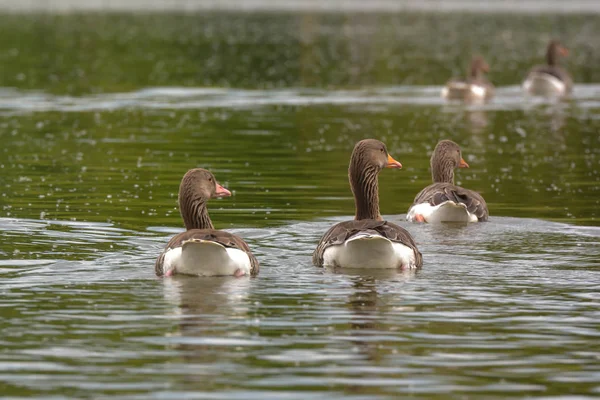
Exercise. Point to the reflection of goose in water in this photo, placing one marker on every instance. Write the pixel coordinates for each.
(206, 310)
(403, 275)
(549, 79)
(363, 303)
(477, 120)
(204, 296)
(210, 330)
(369, 313)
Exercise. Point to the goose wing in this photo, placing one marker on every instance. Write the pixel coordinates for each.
(555, 71)
(439, 193)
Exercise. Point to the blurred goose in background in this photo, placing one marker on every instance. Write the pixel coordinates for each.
(475, 88)
(367, 241)
(443, 201)
(549, 79)
(201, 249)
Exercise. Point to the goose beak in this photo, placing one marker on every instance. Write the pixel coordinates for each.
(563, 51)
(463, 164)
(221, 192)
(391, 163)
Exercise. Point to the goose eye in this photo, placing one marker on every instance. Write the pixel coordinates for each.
(382, 150)
(210, 179)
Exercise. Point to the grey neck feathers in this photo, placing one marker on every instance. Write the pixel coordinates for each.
(442, 170)
(194, 213)
(363, 181)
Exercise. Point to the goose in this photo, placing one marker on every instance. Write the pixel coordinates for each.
(367, 241)
(201, 249)
(549, 79)
(475, 88)
(442, 201)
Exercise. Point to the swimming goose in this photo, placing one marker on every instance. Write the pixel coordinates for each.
(443, 201)
(475, 87)
(367, 241)
(201, 249)
(549, 79)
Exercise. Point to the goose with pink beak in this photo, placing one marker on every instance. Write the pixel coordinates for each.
(202, 250)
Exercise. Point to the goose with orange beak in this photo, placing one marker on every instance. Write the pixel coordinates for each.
(549, 79)
(367, 241)
(443, 201)
(202, 250)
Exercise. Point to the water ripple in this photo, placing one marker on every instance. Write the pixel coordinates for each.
(475, 309)
(179, 98)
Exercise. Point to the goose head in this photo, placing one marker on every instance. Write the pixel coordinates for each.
(368, 158)
(197, 187)
(478, 67)
(446, 157)
(554, 51)
(371, 154)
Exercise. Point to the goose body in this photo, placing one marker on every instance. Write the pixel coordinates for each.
(205, 252)
(367, 242)
(448, 211)
(540, 83)
(549, 79)
(467, 91)
(442, 201)
(475, 88)
(202, 250)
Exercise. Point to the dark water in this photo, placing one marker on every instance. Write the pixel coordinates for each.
(101, 115)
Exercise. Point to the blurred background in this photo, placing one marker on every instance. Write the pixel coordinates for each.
(128, 95)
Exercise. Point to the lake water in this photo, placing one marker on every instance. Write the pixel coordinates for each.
(102, 114)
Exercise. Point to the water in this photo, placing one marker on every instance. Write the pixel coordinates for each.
(508, 307)
(95, 143)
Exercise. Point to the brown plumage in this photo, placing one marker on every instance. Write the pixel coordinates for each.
(445, 158)
(197, 187)
(368, 159)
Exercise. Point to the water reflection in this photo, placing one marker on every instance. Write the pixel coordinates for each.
(477, 120)
(210, 316)
(364, 303)
(378, 274)
(198, 300)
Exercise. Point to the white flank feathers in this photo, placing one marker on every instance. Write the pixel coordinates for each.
(543, 84)
(447, 211)
(366, 250)
(464, 91)
(477, 91)
(205, 258)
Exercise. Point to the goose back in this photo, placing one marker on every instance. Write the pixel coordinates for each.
(439, 193)
(226, 239)
(340, 233)
(428, 203)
